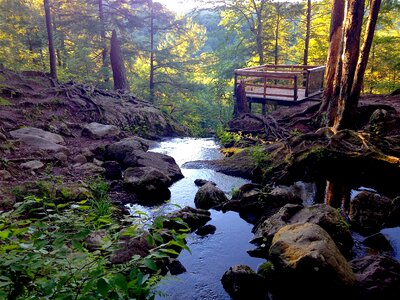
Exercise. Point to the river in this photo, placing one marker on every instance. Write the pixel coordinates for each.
(212, 255)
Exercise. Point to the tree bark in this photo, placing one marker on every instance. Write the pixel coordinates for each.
(259, 31)
(104, 52)
(308, 28)
(278, 19)
(117, 64)
(152, 69)
(351, 49)
(335, 40)
(241, 105)
(366, 48)
(50, 37)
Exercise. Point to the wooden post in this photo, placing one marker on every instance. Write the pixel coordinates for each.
(307, 83)
(264, 111)
(295, 88)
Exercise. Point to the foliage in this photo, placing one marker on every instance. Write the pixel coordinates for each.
(45, 253)
(4, 102)
(228, 138)
(259, 155)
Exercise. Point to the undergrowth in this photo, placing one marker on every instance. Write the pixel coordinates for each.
(44, 250)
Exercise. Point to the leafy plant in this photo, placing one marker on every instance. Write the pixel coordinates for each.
(4, 102)
(259, 155)
(44, 253)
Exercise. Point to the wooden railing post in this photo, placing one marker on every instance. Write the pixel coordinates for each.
(295, 88)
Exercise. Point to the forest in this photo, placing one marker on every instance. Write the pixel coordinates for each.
(184, 63)
(207, 149)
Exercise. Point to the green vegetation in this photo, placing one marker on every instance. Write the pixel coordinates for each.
(228, 139)
(259, 155)
(4, 102)
(45, 252)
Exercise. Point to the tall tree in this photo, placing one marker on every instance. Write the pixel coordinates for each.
(308, 29)
(104, 51)
(52, 53)
(117, 64)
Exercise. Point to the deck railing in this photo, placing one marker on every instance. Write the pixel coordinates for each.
(280, 81)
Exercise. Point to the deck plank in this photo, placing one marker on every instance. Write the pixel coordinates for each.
(275, 94)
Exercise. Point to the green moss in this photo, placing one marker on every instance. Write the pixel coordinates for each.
(4, 102)
(265, 269)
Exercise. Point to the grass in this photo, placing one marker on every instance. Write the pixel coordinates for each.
(4, 102)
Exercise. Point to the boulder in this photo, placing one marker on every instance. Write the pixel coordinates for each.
(370, 211)
(128, 247)
(206, 230)
(61, 157)
(96, 239)
(39, 143)
(90, 168)
(209, 196)
(321, 214)
(175, 267)
(241, 282)
(113, 170)
(378, 242)
(5, 175)
(304, 254)
(50, 137)
(98, 131)
(148, 183)
(193, 217)
(80, 159)
(164, 163)
(32, 165)
(201, 182)
(120, 150)
(378, 277)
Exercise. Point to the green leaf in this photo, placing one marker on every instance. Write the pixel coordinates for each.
(149, 263)
(5, 234)
(169, 251)
(120, 281)
(77, 245)
(103, 287)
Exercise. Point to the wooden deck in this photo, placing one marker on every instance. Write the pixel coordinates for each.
(279, 84)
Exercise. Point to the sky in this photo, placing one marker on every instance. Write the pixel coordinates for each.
(179, 6)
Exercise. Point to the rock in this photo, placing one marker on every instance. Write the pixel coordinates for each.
(164, 163)
(369, 212)
(130, 247)
(2, 137)
(33, 165)
(97, 162)
(378, 277)
(148, 183)
(175, 267)
(378, 241)
(201, 182)
(241, 282)
(38, 143)
(5, 175)
(61, 157)
(50, 137)
(90, 168)
(98, 131)
(113, 170)
(247, 123)
(80, 159)
(305, 253)
(193, 217)
(206, 230)
(321, 214)
(120, 150)
(209, 196)
(87, 153)
(95, 240)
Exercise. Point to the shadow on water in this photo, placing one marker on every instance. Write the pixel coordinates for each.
(211, 255)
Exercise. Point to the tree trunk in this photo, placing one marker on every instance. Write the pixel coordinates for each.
(259, 31)
(351, 49)
(335, 40)
(241, 105)
(152, 69)
(117, 64)
(52, 54)
(104, 52)
(278, 19)
(308, 27)
(366, 47)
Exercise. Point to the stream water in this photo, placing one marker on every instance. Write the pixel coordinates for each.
(212, 255)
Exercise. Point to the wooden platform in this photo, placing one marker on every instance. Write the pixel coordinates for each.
(279, 84)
